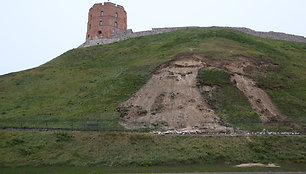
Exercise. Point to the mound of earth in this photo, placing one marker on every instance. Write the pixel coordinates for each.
(172, 100)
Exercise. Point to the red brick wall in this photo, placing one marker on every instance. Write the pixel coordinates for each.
(108, 20)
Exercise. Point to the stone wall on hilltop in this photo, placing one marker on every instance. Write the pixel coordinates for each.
(272, 35)
(127, 34)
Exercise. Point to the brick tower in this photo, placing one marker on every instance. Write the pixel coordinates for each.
(105, 19)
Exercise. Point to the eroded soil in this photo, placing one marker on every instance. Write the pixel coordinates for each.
(171, 99)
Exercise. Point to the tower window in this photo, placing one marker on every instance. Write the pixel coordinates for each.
(113, 30)
(116, 15)
(101, 23)
(116, 24)
(102, 13)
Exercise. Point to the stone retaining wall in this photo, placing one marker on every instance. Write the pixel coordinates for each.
(127, 34)
(272, 35)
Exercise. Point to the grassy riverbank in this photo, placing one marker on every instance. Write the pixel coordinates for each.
(157, 169)
(85, 149)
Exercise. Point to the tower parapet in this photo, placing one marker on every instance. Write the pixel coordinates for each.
(105, 19)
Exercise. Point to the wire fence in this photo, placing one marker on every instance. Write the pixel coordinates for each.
(70, 125)
(113, 126)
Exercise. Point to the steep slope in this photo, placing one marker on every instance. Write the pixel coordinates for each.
(89, 83)
(171, 100)
(172, 97)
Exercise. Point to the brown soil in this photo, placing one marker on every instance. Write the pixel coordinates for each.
(259, 100)
(171, 99)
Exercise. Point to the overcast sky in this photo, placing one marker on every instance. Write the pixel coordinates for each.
(34, 32)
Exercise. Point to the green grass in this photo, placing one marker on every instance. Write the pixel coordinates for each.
(89, 83)
(229, 102)
(156, 169)
(84, 149)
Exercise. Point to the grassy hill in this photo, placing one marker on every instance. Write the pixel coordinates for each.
(85, 85)
(89, 83)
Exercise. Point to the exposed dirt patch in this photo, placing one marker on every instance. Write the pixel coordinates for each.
(171, 99)
(259, 100)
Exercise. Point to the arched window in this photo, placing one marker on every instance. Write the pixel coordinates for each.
(113, 30)
(102, 13)
(116, 24)
(116, 15)
(101, 23)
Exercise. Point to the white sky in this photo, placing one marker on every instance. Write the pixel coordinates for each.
(33, 32)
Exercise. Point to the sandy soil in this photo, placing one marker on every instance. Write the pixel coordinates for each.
(259, 100)
(171, 99)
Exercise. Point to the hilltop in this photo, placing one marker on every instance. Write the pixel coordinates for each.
(128, 34)
(89, 83)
